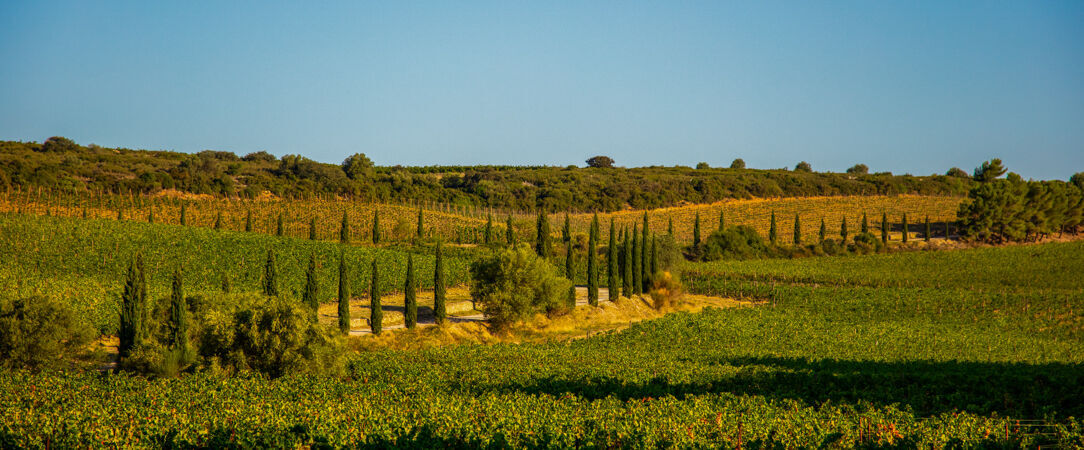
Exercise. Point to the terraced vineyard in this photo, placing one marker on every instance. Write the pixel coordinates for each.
(904, 364)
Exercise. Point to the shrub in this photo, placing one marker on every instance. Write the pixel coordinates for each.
(865, 243)
(665, 290)
(40, 333)
(738, 164)
(738, 242)
(858, 169)
(515, 284)
(803, 167)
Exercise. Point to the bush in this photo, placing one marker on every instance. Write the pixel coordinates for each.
(665, 290)
(866, 243)
(40, 333)
(739, 242)
(738, 164)
(600, 161)
(514, 284)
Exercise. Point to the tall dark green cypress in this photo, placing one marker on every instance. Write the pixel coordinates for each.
(722, 220)
(823, 231)
(248, 222)
(542, 245)
(670, 226)
(626, 270)
(184, 214)
(905, 233)
(421, 224)
(440, 311)
(645, 258)
(489, 230)
(570, 297)
(410, 296)
(376, 226)
(178, 319)
(637, 274)
(654, 257)
(797, 230)
(344, 296)
(772, 235)
(218, 221)
(611, 265)
(592, 263)
(376, 311)
(509, 232)
(884, 228)
(566, 231)
(270, 275)
(312, 228)
(696, 231)
(280, 227)
(927, 232)
(150, 216)
(131, 313)
(865, 224)
(843, 230)
(310, 296)
(344, 229)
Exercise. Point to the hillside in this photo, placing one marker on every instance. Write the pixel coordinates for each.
(62, 164)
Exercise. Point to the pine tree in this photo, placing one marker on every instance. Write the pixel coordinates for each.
(542, 244)
(797, 231)
(312, 228)
(645, 258)
(884, 228)
(344, 296)
(566, 231)
(926, 234)
(626, 270)
(131, 313)
(843, 230)
(439, 309)
(270, 284)
(611, 265)
(772, 237)
(865, 224)
(376, 313)
(184, 214)
(248, 222)
(489, 230)
(218, 221)
(344, 229)
(722, 220)
(592, 263)
(696, 231)
(421, 224)
(410, 296)
(509, 232)
(637, 274)
(280, 227)
(310, 297)
(376, 227)
(178, 320)
(905, 228)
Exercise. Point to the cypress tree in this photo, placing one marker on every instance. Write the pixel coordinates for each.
(797, 231)
(905, 227)
(344, 229)
(696, 231)
(569, 273)
(566, 232)
(823, 231)
(946, 230)
(248, 222)
(542, 238)
(843, 230)
(626, 270)
(722, 220)
(225, 283)
(270, 284)
(178, 319)
(489, 230)
(376, 226)
(421, 224)
(439, 310)
(654, 256)
(884, 228)
(637, 274)
(150, 216)
(376, 313)
(771, 230)
(131, 313)
(410, 296)
(344, 296)
(184, 214)
(592, 264)
(611, 265)
(865, 224)
(509, 232)
(645, 259)
(312, 228)
(310, 297)
(280, 228)
(670, 227)
(926, 234)
(218, 221)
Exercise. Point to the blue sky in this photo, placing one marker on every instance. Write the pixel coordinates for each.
(908, 87)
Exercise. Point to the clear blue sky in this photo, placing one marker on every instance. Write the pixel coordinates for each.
(910, 86)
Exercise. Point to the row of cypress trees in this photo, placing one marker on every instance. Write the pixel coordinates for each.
(773, 235)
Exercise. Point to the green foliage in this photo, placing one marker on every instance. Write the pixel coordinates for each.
(488, 235)
(635, 256)
(738, 242)
(803, 167)
(420, 228)
(905, 230)
(312, 229)
(38, 333)
(311, 294)
(133, 314)
(344, 296)
(865, 243)
(645, 257)
(376, 227)
(542, 244)
(344, 229)
(989, 171)
(771, 230)
(592, 264)
(1015, 210)
(737, 164)
(440, 301)
(858, 169)
(696, 230)
(823, 231)
(884, 228)
(626, 268)
(376, 317)
(612, 265)
(600, 162)
(797, 230)
(843, 229)
(270, 276)
(280, 228)
(514, 284)
(410, 296)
